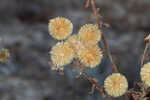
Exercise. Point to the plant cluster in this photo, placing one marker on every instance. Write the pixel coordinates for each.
(84, 47)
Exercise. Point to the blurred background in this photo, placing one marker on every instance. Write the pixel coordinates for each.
(24, 31)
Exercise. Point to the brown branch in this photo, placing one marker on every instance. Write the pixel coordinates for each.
(114, 68)
(94, 83)
(126, 97)
(144, 54)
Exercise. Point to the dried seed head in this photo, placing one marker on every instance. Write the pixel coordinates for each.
(90, 34)
(4, 55)
(145, 74)
(116, 85)
(147, 39)
(60, 28)
(61, 54)
(75, 43)
(90, 55)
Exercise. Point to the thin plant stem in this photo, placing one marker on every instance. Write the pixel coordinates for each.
(144, 54)
(114, 68)
(126, 97)
(94, 82)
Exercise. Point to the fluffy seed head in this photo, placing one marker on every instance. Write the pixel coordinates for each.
(75, 43)
(4, 55)
(145, 74)
(116, 85)
(60, 28)
(90, 33)
(61, 54)
(90, 55)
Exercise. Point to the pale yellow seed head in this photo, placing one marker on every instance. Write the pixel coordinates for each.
(116, 85)
(90, 55)
(4, 55)
(61, 54)
(60, 28)
(90, 34)
(75, 43)
(145, 74)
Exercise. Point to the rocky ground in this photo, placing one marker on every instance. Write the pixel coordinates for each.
(24, 30)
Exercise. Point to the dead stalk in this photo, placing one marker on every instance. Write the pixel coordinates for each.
(94, 83)
(144, 54)
(114, 68)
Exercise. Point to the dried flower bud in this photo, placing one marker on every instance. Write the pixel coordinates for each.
(4, 55)
(90, 55)
(90, 34)
(61, 54)
(75, 43)
(115, 85)
(60, 28)
(145, 74)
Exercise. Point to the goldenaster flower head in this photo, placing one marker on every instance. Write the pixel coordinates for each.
(145, 73)
(60, 28)
(116, 85)
(62, 54)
